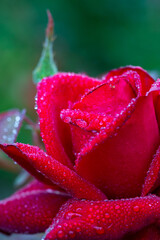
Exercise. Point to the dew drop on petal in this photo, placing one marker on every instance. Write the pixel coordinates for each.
(71, 234)
(60, 234)
(99, 230)
(117, 207)
(136, 208)
(107, 215)
(81, 123)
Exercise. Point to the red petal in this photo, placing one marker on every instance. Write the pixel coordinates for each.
(54, 94)
(23, 160)
(148, 233)
(30, 210)
(90, 122)
(101, 127)
(98, 109)
(152, 174)
(118, 165)
(145, 78)
(10, 123)
(158, 192)
(109, 98)
(101, 220)
(155, 92)
(38, 163)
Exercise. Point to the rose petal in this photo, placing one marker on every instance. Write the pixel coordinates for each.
(54, 94)
(98, 220)
(31, 209)
(158, 192)
(155, 92)
(152, 174)
(120, 171)
(101, 127)
(23, 159)
(100, 105)
(84, 126)
(109, 98)
(157, 183)
(44, 167)
(148, 233)
(10, 123)
(145, 78)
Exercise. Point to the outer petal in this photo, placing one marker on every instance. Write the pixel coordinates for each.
(155, 92)
(148, 233)
(38, 163)
(54, 94)
(118, 164)
(146, 79)
(158, 192)
(152, 174)
(157, 183)
(31, 209)
(101, 220)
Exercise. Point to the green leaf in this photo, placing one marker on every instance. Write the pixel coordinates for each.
(46, 65)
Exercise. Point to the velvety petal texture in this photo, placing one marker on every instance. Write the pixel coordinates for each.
(98, 220)
(31, 209)
(152, 174)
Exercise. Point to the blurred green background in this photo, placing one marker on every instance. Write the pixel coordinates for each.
(92, 37)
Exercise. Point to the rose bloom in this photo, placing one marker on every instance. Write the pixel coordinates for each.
(100, 175)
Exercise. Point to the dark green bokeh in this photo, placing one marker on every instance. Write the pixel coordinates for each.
(92, 37)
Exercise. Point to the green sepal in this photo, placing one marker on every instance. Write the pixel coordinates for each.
(46, 65)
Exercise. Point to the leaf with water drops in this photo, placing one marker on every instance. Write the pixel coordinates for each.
(46, 65)
(21, 236)
(10, 123)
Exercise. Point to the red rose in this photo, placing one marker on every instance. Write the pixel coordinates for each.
(102, 143)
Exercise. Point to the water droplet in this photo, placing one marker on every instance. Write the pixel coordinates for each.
(5, 130)
(81, 123)
(78, 229)
(107, 215)
(14, 131)
(136, 208)
(9, 119)
(117, 207)
(78, 209)
(99, 230)
(71, 215)
(71, 234)
(67, 119)
(90, 209)
(60, 234)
